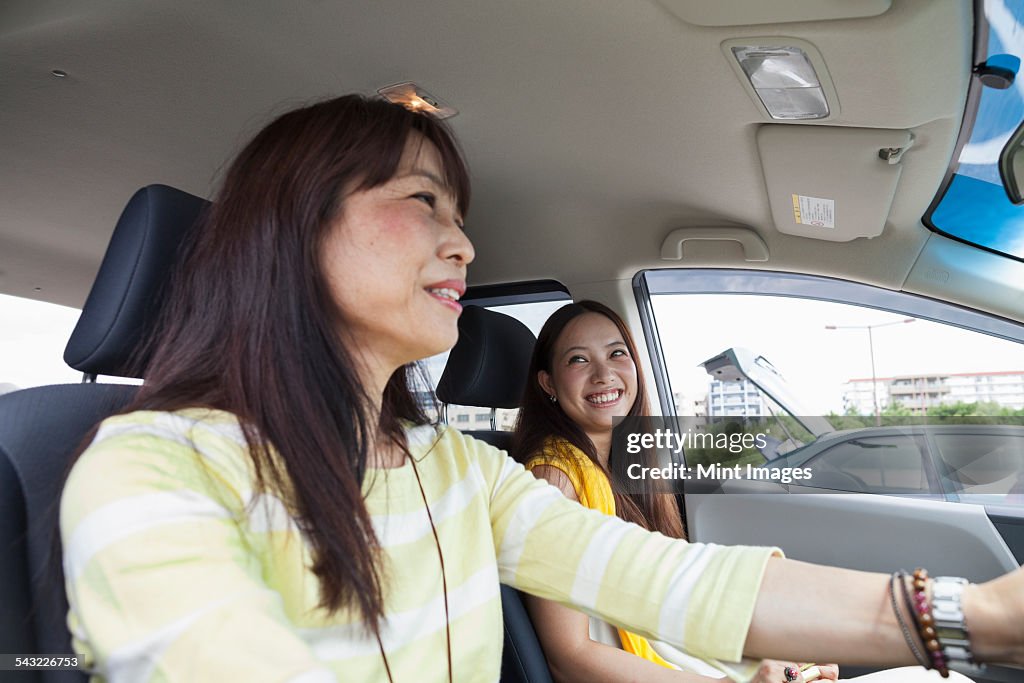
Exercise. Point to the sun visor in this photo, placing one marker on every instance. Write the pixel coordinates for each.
(831, 183)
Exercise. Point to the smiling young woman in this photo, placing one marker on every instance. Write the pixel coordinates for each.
(593, 376)
(582, 374)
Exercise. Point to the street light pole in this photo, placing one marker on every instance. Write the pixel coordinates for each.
(874, 380)
(871, 351)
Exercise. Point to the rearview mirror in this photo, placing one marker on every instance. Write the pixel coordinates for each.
(1011, 166)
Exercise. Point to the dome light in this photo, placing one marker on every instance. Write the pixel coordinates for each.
(784, 79)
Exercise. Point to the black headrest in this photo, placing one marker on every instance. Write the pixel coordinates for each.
(123, 300)
(488, 366)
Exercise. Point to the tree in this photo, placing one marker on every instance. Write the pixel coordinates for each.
(896, 409)
(960, 408)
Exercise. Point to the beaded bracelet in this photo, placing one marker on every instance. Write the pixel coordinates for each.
(925, 660)
(939, 620)
(900, 577)
(926, 623)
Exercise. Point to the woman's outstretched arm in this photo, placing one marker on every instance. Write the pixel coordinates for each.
(845, 614)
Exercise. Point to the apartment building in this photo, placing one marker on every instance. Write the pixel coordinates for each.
(921, 392)
(733, 399)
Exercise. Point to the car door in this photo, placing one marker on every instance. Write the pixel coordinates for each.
(690, 315)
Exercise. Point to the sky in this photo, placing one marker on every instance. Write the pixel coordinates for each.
(976, 206)
(791, 333)
(32, 339)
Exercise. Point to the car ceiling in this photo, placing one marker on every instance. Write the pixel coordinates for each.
(593, 128)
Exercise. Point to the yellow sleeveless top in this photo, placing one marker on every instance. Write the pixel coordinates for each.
(595, 492)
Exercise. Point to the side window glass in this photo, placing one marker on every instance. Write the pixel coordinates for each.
(891, 464)
(33, 335)
(533, 314)
(983, 466)
(876, 391)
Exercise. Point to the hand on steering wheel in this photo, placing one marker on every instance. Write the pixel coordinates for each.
(772, 671)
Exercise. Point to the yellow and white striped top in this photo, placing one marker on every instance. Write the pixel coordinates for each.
(177, 571)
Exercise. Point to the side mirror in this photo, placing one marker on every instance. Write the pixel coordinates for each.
(1011, 166)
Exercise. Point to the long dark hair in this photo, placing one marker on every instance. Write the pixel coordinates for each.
(539, 420)
(250, 326)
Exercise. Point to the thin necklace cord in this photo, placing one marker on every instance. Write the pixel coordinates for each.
(444, 584)
(440, 557)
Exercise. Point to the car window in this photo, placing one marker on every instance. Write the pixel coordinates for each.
(888, 464)
(32, 339)
(840, 372)
(973, 206)
(984, 468)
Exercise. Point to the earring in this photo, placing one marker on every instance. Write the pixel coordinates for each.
(553, 399)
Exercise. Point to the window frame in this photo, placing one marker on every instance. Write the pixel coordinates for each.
(745, 282)
(514, 293)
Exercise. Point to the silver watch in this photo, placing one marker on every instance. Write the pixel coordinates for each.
(950, 624)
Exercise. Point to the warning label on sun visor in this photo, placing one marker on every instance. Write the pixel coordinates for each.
(821, 213)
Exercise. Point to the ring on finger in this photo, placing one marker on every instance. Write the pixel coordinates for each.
(792, 673)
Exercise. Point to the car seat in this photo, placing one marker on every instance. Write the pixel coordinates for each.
(487, 368)
(41, 428)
